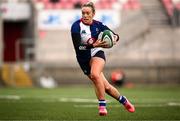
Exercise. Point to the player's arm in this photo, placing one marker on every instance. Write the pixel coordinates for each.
(76, 38)
(77, 43)
(116, 36)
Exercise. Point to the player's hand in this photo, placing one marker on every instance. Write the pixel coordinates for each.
(116, 38)
(99, 43)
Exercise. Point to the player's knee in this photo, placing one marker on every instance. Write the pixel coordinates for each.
(95, 77)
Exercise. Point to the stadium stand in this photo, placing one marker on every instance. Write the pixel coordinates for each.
(176, 12)
(155, 13)
(140, 53)
(173, 10)
(168, 6)
(14, 1)
(132, 5)
(100, 4)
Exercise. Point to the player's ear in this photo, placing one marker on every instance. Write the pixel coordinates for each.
(93, 14)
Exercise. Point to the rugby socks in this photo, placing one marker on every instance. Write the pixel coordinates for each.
(122, 100)
(102, 108)
(102, 103)
(128, 106)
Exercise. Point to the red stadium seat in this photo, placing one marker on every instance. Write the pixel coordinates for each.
(104, 4)
(178, 6)
(45, 1)
(132, 5)
(58, 5)
(168, 6)
(84, 1)
(48, 6)
(135, 4)
(67, 5)
(126, 6)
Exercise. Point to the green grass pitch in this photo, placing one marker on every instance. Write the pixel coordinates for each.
(74, 103)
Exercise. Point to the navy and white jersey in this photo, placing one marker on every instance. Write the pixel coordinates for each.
(83, 36)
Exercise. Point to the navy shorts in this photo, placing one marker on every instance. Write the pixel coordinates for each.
(85, 64)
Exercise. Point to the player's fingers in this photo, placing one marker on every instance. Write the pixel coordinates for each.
(99, 40)
(115, 37)
(103, 42)
(105, 45)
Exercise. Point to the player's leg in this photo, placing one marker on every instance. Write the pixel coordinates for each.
(113, 92)
(109, 89)
(97, 65)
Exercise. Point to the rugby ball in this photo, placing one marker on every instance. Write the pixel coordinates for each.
(107, 37)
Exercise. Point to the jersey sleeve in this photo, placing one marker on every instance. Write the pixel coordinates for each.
(76, 38)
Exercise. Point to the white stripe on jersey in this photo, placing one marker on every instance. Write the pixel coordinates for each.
(95, 50)
(85, 33)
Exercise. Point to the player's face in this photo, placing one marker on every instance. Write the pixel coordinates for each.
(87, 15)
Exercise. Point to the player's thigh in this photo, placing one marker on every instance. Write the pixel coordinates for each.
(97, 65)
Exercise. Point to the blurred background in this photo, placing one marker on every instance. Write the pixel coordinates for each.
(36, 49)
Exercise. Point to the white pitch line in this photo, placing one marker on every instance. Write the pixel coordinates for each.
(173, 104)
(136, 105)
(80, 100)
(95, 101)
(10, 97)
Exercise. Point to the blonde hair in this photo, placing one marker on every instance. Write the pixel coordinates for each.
(91, 5)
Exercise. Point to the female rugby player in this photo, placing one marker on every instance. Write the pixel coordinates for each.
(91, 57)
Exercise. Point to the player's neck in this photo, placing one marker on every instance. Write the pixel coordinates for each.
(89, 23)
